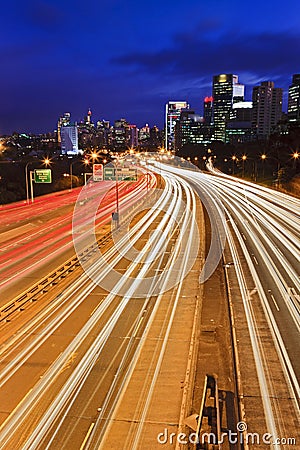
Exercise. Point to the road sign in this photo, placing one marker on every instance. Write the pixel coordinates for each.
(109, 173)
(42, 176)
(126, 174)
(97, 172)
(122, 173)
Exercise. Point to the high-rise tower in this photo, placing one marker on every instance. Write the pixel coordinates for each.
(267, 108)
(226, 91)
(294, 100)
(208, 110)
(172, 115)
(62, 121)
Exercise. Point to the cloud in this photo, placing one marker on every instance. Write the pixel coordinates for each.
(196, 55)
(44, 14)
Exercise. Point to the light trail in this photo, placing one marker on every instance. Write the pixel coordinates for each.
(270, 228)
(83, 367)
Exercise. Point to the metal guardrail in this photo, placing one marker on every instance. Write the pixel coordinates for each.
(52, 279)
(210, 408)
(217, 407)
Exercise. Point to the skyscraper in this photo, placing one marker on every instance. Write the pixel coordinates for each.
(294, 100)
(63, 120)
(267, 108)
(173, 110)
(208, 110)
(69, 139)
(191, 129)
(226, 91)
(239, 126)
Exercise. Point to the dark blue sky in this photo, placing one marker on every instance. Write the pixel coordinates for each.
(127, 58)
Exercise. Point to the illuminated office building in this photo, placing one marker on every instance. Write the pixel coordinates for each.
(208, 110)
(294, 100)
(239, 126)
(267, 108)
(62, 121)
(172, 115)
(191, 129)
(69, 139)
(226, 91)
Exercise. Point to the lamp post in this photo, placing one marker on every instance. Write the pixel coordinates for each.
(233, 161)
(46, 162)
(296, 156)
(244, 157)
(115, 215)
(86, 162)
(263, 158)
(71, 175)
(26, 181)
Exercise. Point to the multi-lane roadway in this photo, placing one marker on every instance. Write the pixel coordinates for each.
(67, 370)
(107, 360)
(35, 237)
(262, 258)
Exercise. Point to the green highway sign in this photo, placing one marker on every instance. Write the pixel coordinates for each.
(109, 174)
(42, 176)
(126, 174)
(123, 174)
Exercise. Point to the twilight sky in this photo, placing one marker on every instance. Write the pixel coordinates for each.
(127, 58)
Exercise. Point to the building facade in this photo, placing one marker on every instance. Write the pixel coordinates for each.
(191, 129)
(226, 91)
(294, 100)
(69, 140)
(208, 110)
(239, 126)
(172, 115)
(267, 108)
(62, 121)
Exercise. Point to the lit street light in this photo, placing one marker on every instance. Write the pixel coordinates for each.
(234, 158)
(94, 156)
(295, 158)
(263, 158)
(86, 163)
(46, 161)
(244, 157)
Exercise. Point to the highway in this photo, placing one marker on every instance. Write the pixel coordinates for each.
(67, 368)
(105, 357)
(35, 237)
(262, 265)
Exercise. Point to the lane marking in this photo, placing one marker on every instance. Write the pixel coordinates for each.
(87, 436)
(138, 326)
(274, 301)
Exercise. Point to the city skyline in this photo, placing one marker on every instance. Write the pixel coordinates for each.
(130, 60)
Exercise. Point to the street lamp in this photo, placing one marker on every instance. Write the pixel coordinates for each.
(117, 192)
(71, 173)
(46, 161)
(263, 157)
(26, 181)
(86, 162)
(244, 157)
(295, 158)
(234, 158)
